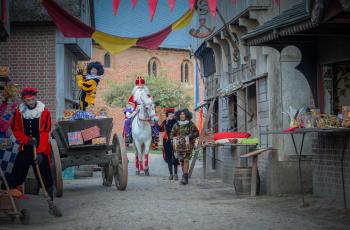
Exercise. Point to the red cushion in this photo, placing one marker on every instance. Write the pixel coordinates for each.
(223, 135)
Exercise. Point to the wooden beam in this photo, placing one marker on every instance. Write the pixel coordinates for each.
(257, 152)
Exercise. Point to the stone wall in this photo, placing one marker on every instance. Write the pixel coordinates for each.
(326, 165)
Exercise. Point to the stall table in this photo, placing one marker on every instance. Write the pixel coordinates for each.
(303, 132)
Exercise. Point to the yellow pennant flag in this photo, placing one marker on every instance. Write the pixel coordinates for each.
(183, 21)
(113, 44)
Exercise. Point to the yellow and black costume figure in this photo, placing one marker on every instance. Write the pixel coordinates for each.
(88, 84)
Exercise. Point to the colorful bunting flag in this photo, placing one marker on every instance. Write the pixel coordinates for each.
(133, 4)
(152, 5)
(153, 41)
(115, 6)
(212, 7)
(171, 4)
(277, 2)
(192, 2)
(71, 26)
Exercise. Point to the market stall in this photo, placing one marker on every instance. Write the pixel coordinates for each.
(331, 126)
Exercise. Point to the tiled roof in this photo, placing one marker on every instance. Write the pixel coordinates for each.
(136, 22)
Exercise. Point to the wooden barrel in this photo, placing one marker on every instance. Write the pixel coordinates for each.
(242, 180)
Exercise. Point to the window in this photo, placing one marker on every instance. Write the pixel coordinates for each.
(336, 87)
(153, 66)
(107, 60)
(185, 70)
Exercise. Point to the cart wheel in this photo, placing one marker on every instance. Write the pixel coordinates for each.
(25, 217)
(107, 175)
(56, 168)
(120, 164)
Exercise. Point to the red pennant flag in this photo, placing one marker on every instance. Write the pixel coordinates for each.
(192, 2)
(171, 4)
(152, 5)
(212, 6)
(115, 6)
(133, 4)
(153, 41)
(70, 26)
(277, 2)
(234, 2)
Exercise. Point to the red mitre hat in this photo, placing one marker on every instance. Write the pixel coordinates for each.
(139, 81)
(170, 110)
(29, 92)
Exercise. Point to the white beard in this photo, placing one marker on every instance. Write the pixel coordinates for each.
(140, 93)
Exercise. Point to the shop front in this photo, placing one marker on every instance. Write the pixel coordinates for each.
(320, 30)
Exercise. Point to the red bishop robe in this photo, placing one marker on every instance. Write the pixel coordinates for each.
(45, 129)
(134, 103)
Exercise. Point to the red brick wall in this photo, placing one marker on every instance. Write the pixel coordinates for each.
(30, 54)
(135, 60)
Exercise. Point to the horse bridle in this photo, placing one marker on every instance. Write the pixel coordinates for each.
(150, 117)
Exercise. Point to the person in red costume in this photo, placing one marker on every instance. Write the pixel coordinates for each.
(31, 126)
(140, 90)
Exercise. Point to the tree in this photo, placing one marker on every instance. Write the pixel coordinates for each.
(166, 92)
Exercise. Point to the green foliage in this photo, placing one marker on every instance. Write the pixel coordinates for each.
(167, 92)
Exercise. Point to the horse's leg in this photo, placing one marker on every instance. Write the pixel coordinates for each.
(139, 166)
(147, 145)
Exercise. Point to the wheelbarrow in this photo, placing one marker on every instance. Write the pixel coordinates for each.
(9, 205)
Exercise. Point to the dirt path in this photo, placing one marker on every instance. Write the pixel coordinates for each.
(156, 203)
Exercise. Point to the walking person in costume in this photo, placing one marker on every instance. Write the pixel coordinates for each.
(88, 84)
(31, 126)
(168, 151)
(183, 135)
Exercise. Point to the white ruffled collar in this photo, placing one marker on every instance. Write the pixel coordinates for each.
(32, 113)
(186, 122)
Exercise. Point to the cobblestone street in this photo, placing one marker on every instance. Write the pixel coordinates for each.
(156, 203)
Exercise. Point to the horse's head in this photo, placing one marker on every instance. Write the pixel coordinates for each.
(149, 108)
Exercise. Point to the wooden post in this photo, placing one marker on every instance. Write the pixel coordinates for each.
(254, 176)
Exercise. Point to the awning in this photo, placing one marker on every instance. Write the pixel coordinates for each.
(302, 22)
(230, 89)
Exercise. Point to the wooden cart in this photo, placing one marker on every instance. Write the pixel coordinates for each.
(112, 157)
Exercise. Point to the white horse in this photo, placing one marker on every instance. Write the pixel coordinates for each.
(142, 133)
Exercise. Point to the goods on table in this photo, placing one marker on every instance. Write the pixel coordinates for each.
(75, 138)
(91, 133)
(68, 114)
(224, 135)
(83, 115)
(328, 121)
(99, 141)
(346, 116)
(307, 120)
(235, 141)
(4, 71)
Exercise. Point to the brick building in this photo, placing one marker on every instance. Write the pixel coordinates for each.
(177, 64)
(39, 56)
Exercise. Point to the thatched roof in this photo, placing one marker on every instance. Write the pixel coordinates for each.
(33, 11)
